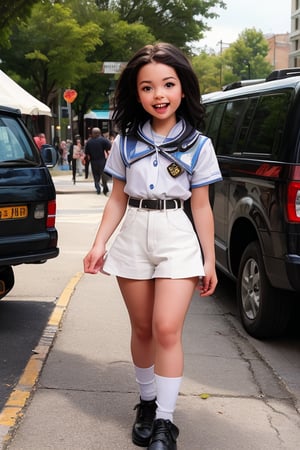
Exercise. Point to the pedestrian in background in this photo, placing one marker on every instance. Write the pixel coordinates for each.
(63, 151)
(96, 150)
(158, 161)
(86, 162)
(75, 155)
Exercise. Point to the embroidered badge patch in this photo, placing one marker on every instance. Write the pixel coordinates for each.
(174, 170)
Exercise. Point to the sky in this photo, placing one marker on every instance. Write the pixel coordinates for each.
(268, 16)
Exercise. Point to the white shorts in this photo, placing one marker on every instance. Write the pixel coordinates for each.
(155, 244)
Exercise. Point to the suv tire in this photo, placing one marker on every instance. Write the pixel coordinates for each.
(263, 309)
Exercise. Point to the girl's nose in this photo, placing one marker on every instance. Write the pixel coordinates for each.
(158, 93)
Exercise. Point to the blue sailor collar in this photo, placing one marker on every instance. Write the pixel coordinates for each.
(182, 146)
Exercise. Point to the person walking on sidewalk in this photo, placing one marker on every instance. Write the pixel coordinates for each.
(96, 150)
(158, 161)
(75, 155)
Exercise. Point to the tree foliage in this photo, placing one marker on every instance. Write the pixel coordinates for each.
(51, 49)
(208, 69)
(244, 59)
(246, 56)
(177, 21)
(10, 13)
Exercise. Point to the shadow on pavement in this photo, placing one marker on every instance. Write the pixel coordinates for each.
(21, 326)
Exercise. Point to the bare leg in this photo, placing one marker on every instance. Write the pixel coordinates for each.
(172, 299)
(157, 309)
(139, 299)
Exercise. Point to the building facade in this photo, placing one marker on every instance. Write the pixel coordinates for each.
(279, 50)
(294, 57)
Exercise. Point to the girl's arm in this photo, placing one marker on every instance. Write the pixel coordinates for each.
(204, 224)
(112, 215)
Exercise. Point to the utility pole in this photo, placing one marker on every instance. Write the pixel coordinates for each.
(221, 43)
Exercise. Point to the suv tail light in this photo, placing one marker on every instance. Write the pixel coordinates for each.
(293, 201)
(293, 195)
(51, 214)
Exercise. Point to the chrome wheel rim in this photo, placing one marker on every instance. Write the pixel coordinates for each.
(251, 289)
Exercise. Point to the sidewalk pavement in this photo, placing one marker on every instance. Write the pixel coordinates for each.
(230, 398)
(64, 184)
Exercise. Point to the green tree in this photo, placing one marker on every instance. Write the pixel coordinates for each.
(51, 49)
(177, 21)
(247, 56)
(10, 13)
(119, 41)
(208, 70)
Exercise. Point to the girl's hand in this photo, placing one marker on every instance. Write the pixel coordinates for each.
(94, 260)
(208, 282)
(113, 213)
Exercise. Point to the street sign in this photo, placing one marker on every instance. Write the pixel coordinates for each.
(113, 66)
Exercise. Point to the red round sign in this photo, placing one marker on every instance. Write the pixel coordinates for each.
(70, 95)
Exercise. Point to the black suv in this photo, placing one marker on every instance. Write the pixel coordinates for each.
(256, 134)
(27, 200)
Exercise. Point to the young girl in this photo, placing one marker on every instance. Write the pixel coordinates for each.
(158, 161)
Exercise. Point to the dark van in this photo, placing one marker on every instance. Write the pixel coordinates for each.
(27, 200)
(256, 134)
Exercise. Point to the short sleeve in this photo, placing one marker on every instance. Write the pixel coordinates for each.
(114, 164)
(207, 169)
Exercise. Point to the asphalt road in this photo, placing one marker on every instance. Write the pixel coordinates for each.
(21, 326)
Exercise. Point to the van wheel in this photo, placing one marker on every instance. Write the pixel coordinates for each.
(263, 310)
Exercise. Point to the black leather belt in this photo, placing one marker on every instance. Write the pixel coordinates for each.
(158, 203)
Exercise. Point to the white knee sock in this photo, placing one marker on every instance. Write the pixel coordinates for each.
(146, 381)
(167, 393)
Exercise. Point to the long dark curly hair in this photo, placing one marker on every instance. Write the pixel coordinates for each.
(128, 111)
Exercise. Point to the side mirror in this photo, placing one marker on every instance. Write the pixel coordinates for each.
(49, 155)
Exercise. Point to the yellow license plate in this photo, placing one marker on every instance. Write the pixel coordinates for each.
(13, 212)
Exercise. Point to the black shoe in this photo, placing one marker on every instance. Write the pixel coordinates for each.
(142, 427)
(164, 435)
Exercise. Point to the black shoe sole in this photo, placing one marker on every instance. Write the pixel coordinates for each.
(140, 442)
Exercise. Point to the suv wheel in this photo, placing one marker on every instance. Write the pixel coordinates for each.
(263, 310)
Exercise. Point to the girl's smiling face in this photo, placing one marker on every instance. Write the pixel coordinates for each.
(160, 93)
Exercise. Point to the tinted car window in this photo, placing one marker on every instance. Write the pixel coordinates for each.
(267, 126)
(245, 125)
(14, 145)
(228, 141)
(214, 115)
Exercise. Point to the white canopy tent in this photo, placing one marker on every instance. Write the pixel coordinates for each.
(14, 96)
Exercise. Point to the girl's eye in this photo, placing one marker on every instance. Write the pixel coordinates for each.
(146, 88)
(170, 84)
